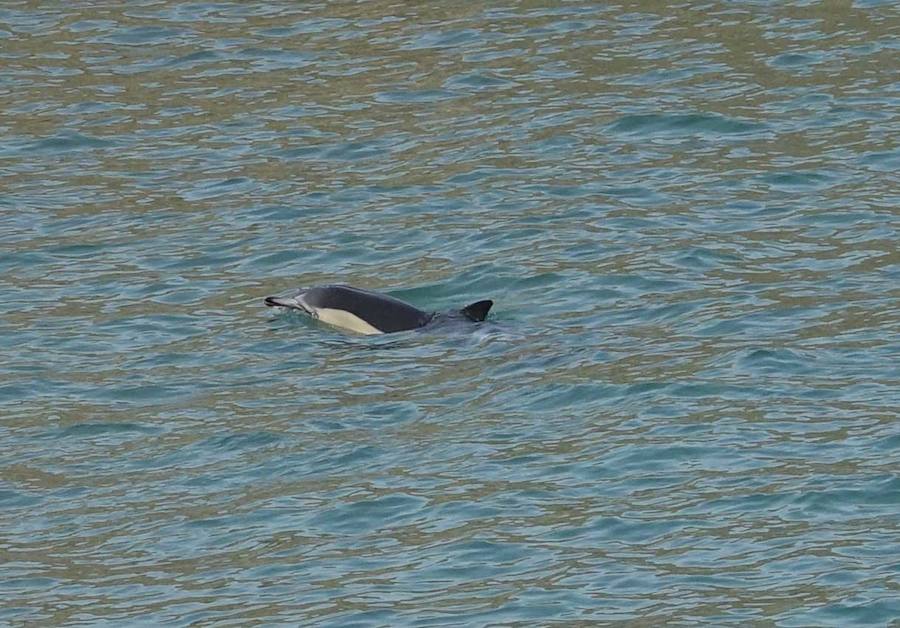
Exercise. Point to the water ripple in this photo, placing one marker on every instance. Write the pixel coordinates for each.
(681, 410)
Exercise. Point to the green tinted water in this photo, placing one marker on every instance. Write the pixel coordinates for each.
(684, 405)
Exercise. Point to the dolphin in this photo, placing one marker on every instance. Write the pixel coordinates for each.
(367, 312)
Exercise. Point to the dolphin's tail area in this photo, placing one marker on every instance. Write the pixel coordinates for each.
(477, 311)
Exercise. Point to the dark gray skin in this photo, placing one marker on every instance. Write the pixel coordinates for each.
(383, 312)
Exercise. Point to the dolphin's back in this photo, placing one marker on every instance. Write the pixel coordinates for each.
(384, 313)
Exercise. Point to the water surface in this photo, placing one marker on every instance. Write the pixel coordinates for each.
(682, 409)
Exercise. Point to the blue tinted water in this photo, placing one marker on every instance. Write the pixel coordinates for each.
(682, 409)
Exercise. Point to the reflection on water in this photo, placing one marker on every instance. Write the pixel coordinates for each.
(682, 408)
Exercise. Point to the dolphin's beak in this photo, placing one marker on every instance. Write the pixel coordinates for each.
(295, 303)
(281, 302)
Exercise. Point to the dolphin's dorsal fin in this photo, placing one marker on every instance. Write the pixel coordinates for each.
(478, 311)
